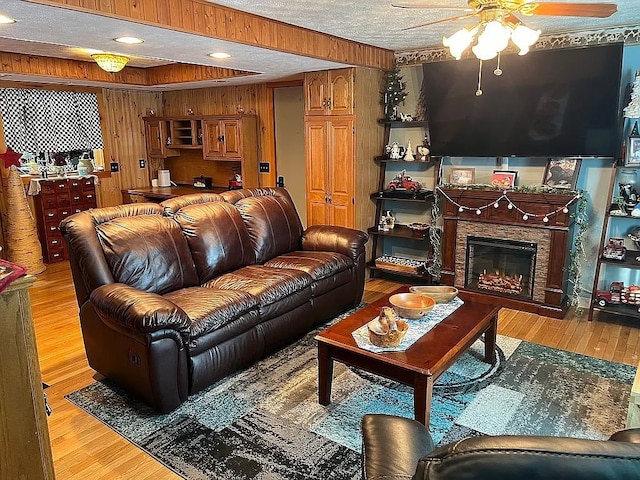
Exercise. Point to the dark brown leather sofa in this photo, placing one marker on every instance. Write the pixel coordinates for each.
(395, 448)
(177, 295)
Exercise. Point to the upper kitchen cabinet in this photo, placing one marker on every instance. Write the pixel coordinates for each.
(223, 136)
(158, 137)
(329, 92)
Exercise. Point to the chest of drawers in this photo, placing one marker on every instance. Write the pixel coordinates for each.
(57, 200)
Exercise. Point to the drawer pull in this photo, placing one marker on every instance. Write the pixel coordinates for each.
(89, 196)
(54, 242)
(50, 215)
(53, 228)
(61, 185)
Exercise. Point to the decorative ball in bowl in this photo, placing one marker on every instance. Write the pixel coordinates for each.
(387, 330)
(411, 305)
(440, 293)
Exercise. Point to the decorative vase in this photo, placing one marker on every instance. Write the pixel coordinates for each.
(85, 166)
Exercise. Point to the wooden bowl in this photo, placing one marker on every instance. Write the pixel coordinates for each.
(391, 339)
(440, 293)
(411, 305)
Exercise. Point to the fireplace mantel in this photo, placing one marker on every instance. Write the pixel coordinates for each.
(552, 237)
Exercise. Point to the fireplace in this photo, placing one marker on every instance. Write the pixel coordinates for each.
(500, 267)
(538, 242)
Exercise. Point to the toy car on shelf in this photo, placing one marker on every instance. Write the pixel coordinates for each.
(402, 181)
(615, 249)
(618, 294)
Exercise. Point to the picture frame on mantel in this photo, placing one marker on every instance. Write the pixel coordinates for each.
(561, 173)
(462, 176)
(632, 157)
(504, 178)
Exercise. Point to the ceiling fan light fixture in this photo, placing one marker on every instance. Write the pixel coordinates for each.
(6, 20)
(458, 42)
(109, 62)
(484, 51)
(524, 37)
(495, 34)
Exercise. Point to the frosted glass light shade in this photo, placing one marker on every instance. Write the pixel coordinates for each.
(109, 62)
(524, 37)
(458, 42)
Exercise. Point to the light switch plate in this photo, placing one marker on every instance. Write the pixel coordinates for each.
(264, 167)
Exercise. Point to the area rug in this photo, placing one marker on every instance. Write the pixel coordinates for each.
(265, 422)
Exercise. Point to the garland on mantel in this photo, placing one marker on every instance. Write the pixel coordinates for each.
(578, 254)
(512, 205)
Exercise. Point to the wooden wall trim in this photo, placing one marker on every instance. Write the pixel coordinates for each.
(75, 69)
(203, 18)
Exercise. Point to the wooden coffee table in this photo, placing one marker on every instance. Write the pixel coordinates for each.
(420, 365)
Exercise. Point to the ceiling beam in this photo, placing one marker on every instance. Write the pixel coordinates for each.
(39, 66)
(200, 17)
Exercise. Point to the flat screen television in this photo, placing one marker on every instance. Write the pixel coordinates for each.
(548, 103)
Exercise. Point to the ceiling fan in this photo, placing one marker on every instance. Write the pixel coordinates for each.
(499, 21)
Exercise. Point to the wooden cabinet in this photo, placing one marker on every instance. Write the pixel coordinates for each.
(341, 137)
(330, 168)
(329, 92)
(57, 200)
(222, 138)
(185, 133)
(211, 146)
(26, 449)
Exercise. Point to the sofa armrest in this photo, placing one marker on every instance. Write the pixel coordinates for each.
(127, 308)
(392, 446)
(328, 238)
(631, 435)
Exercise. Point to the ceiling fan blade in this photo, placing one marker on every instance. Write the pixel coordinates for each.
(450, 19)
(425, 5)
(597, 10)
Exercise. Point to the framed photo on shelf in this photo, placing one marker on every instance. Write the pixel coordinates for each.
(462, 176)
(632, 157)
(504, 178)
(563, 173)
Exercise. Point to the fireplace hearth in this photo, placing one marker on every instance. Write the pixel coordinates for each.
(501, 267)
(530, 273)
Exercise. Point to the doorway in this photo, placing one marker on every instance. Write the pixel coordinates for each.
(288, 106)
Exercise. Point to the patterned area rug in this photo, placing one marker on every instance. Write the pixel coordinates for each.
(265, 422)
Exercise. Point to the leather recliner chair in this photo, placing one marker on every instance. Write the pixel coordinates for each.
(395, 448)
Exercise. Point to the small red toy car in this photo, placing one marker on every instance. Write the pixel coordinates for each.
(402, 181)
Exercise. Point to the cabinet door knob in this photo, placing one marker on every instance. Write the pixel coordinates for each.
(221, 138)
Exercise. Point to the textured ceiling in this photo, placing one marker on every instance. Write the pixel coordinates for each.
(59, 32)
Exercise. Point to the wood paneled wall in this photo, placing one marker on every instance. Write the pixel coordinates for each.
(124, 140)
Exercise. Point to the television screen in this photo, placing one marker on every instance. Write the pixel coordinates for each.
(548, 103)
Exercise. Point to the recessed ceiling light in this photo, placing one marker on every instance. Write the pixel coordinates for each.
(129, 40)
(219, 55)
(4, 19)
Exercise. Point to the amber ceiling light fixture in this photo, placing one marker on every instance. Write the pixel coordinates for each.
(110, 62)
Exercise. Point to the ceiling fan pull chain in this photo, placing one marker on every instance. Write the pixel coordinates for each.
(479, 90)
(498, 71)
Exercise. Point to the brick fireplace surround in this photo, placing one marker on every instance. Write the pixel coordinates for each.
(552, 239)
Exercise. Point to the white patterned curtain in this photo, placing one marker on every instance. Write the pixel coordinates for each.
(50, 120)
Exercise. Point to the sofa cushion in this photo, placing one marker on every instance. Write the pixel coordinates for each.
(273, 225)
(210, 309)
(148, 252)
(327, 269)
(277, 289)
(217, 237)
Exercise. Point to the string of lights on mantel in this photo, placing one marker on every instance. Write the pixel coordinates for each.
(511, 205)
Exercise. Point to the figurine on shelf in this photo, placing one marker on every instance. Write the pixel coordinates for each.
(629, 196)
(408, 156)
(394, 152)
(382, 224)
(615, 249)
(389, 220)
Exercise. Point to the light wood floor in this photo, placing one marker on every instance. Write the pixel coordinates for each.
(83, 448)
